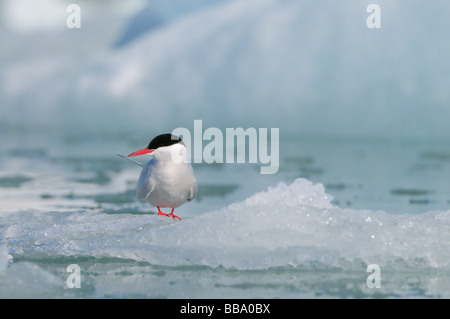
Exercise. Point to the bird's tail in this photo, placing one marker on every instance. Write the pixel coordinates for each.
(133, 161)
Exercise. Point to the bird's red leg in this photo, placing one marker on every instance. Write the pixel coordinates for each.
(173, 216)
(161, 213)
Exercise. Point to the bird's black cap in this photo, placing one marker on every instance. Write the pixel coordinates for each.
(164, 140)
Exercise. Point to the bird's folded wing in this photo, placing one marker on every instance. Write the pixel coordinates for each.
(193, 191)
(145, 184)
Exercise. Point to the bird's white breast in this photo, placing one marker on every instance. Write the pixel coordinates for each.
(165, 182)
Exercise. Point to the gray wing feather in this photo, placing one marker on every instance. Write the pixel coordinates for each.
(193, 191)
(145, 184)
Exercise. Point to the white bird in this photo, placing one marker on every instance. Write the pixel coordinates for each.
(167, 180)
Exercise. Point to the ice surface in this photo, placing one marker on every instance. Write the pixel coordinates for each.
(286, 225)
(27, 280)
(296, 224)
(3, 258)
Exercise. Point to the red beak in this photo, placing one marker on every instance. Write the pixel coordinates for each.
(141, 152)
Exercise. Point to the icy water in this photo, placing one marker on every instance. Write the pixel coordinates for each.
(310, 230)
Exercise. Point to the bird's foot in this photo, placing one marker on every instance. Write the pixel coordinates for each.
(168, 215)
(161, 213)
(173, 215)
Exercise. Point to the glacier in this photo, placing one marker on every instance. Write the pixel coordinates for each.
(235, 62)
